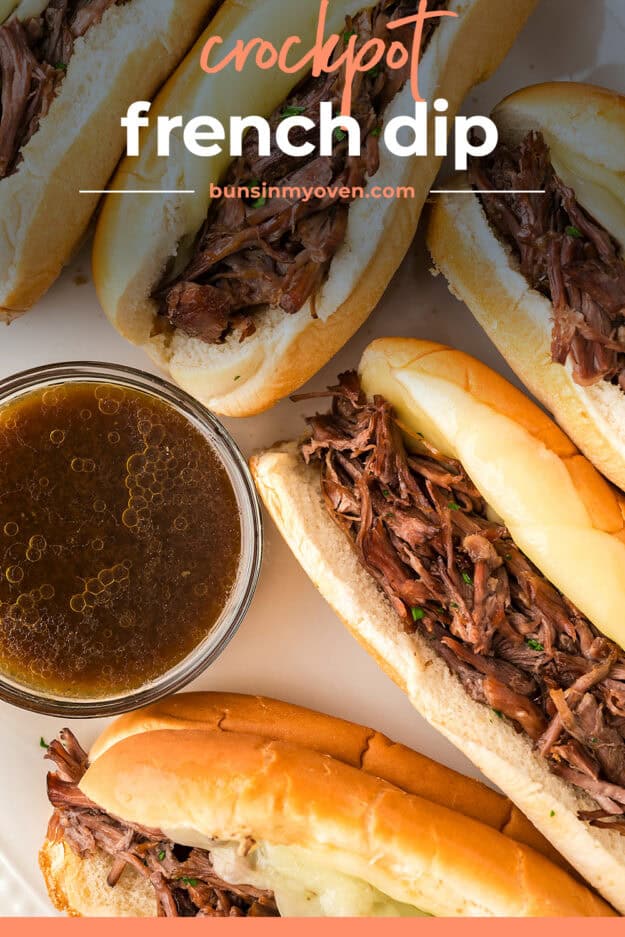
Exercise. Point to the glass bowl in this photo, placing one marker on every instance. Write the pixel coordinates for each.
(238, 602)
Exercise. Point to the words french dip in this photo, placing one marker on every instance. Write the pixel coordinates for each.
(405, 135)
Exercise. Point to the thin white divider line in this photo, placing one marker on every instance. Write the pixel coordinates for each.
(136, 191)
(192, 192)
(488, 192)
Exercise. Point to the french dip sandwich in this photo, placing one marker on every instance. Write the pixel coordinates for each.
(544, 274)
(68, 71)
(218, 805)
(240, 299)
(480, 558)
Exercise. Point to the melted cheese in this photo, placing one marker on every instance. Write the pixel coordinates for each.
(303, 886)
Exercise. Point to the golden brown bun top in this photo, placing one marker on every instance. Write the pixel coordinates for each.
(231, 787)
(352, 744)
(560, 511)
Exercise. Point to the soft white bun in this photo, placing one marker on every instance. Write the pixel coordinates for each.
(560, 512)
(77, 887)
(229, 787)
(43, 217)
(585, 128)
(135, 242)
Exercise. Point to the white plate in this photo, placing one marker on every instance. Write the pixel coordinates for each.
(290, 646)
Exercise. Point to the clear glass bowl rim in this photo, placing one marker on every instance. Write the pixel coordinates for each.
(207, 651)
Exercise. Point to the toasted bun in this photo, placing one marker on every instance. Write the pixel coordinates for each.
(559, 511)
(124, 58)
(134, 243)
(352, 744)
(585, 128)
(226, 786)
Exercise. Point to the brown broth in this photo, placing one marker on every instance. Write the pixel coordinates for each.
(120, 539)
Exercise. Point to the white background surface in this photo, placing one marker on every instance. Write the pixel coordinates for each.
(290, 646)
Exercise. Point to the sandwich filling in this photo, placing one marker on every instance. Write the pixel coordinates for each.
(184, 880)
(277, 252)
(564, 254)
(454, 576)
(34, 55)
(195, 876)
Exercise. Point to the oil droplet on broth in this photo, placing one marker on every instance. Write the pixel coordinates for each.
(77, 603)
(130, 518)
(101, 594)
(108, 407)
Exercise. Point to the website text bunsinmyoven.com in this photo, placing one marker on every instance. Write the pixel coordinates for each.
(259, 194)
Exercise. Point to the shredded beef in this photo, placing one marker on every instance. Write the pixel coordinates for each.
(456, 577)
(34, 55)
(184, 880)
(278, 252)
(565, 254)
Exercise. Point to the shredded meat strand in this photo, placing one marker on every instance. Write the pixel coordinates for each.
(454, 576)
(565, 254)
(277, 253)
(184, 880)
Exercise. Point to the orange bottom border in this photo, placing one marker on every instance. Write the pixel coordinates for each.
(323, 927)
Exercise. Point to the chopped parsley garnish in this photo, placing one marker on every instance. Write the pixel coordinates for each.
(498, 713)
(386, 493)
(238, 377)
(339, 134)
(454, 506)
(260, 202)
(466, 578)
(417, 614)
(161, 855)
(61, 66)
(376, 132)
(573, 232)
(375, 71)
(347, 35)
(552, 813)
(43, 743)
(535, 645)
(292, 110)
(454, 605)
(190, 881)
